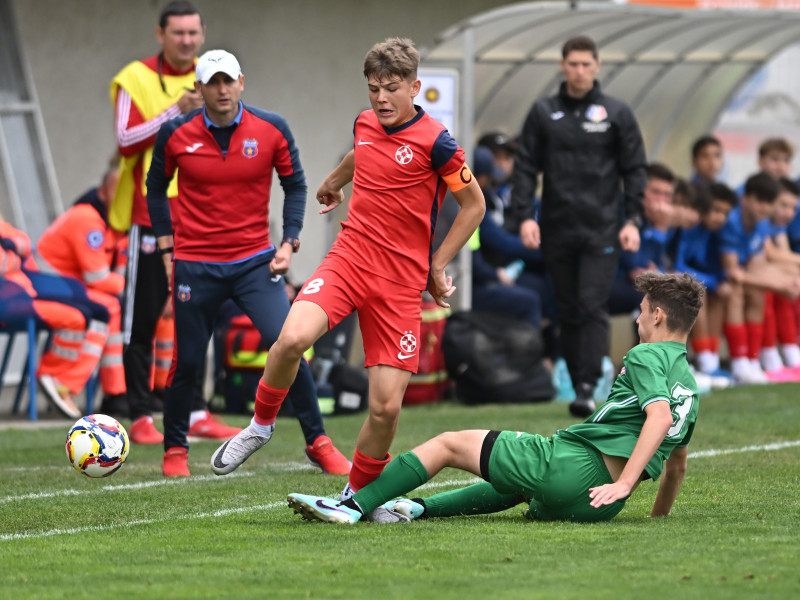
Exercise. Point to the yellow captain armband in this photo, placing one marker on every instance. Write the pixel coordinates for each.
(460, 179)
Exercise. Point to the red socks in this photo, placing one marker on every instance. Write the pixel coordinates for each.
(365, 470)
(268, 403)
(736, 335)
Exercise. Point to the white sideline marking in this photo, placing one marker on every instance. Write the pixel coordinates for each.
(229, 511)
(217, 513)
(775, 446)
(125, 486)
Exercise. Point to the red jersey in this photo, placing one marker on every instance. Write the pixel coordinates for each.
(398, 188)
(222, 209)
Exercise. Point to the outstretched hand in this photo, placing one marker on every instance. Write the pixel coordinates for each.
(329, 198)
(608, 493)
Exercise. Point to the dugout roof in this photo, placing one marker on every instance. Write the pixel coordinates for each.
(677, 69)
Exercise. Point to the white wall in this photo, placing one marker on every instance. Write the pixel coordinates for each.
(301, 58)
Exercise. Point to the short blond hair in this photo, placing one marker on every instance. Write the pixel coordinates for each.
(394, 57)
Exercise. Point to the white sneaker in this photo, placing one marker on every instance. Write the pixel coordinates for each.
(59, 396)
(747, 373)
(385, 515)
(408, 508)
(757, 372)
(230, 455)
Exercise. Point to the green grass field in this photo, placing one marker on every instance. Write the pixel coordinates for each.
(734, 532)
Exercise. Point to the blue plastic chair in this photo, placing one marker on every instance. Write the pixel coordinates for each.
(17, 315)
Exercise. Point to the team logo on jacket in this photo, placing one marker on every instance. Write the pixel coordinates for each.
(596, 116)
(596, 113)
(148, 244)
(403, 155)
(184, 292)
(95, 239)
(408, 345)
(250, 148)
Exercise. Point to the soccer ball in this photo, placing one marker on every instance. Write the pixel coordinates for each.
(97, 445)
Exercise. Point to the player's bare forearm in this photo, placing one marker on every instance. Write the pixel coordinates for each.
(671, 480)
(473, 207)
(330, 193)
(655, 428)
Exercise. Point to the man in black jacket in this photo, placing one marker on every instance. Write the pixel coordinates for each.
(583, 143)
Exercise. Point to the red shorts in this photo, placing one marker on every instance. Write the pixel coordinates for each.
(388, 313)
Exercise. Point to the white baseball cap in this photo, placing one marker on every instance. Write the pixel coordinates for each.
(217, 61)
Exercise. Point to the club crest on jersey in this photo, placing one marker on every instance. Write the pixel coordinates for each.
(148, 244)
(184, 292)
(403, 155)
(250, 148)
(95, 239)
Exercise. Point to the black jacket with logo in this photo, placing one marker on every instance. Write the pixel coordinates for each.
(585, 148)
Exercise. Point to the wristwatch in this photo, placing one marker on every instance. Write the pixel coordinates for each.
(293, 241)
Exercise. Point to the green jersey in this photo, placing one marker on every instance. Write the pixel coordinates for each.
(651, 372)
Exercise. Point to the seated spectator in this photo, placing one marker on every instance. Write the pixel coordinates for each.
(774, 159)
(706, 159)
(778, 308)
(81, 244)
(741, 243)
(69, 361)
(659, 215)
(494, 288)
(698, 254)
(503, 149)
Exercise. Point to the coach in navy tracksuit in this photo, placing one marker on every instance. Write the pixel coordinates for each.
(226, 153)
(584, 143)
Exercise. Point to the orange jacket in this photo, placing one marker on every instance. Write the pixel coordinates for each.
(11, 257)
(80, 244)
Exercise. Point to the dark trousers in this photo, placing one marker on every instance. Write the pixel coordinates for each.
(146, 290)
(510, 300)
(582, 272)
(199, 290)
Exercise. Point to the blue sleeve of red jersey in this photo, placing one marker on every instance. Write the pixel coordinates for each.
(446, 156)
(158, 178)
(290, 173)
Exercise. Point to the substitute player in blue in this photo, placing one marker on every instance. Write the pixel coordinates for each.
(583, 473)
(217, 235)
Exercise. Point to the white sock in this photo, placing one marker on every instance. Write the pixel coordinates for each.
(262, 430)
(771, 359)
(197, 415)
(791, 355)
(707, 361)
(347, 493)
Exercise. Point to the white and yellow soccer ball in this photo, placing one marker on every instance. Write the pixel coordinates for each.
(97, 445)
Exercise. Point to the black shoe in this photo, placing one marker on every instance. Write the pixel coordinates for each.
(583, 405)
(115, 406)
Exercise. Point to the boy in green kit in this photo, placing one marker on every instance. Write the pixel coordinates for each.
(582, 473)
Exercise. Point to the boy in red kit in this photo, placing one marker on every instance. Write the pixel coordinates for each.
(401, 164)
(780, 352)
(742, 253)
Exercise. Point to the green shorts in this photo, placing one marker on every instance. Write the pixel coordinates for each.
(554, 473)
